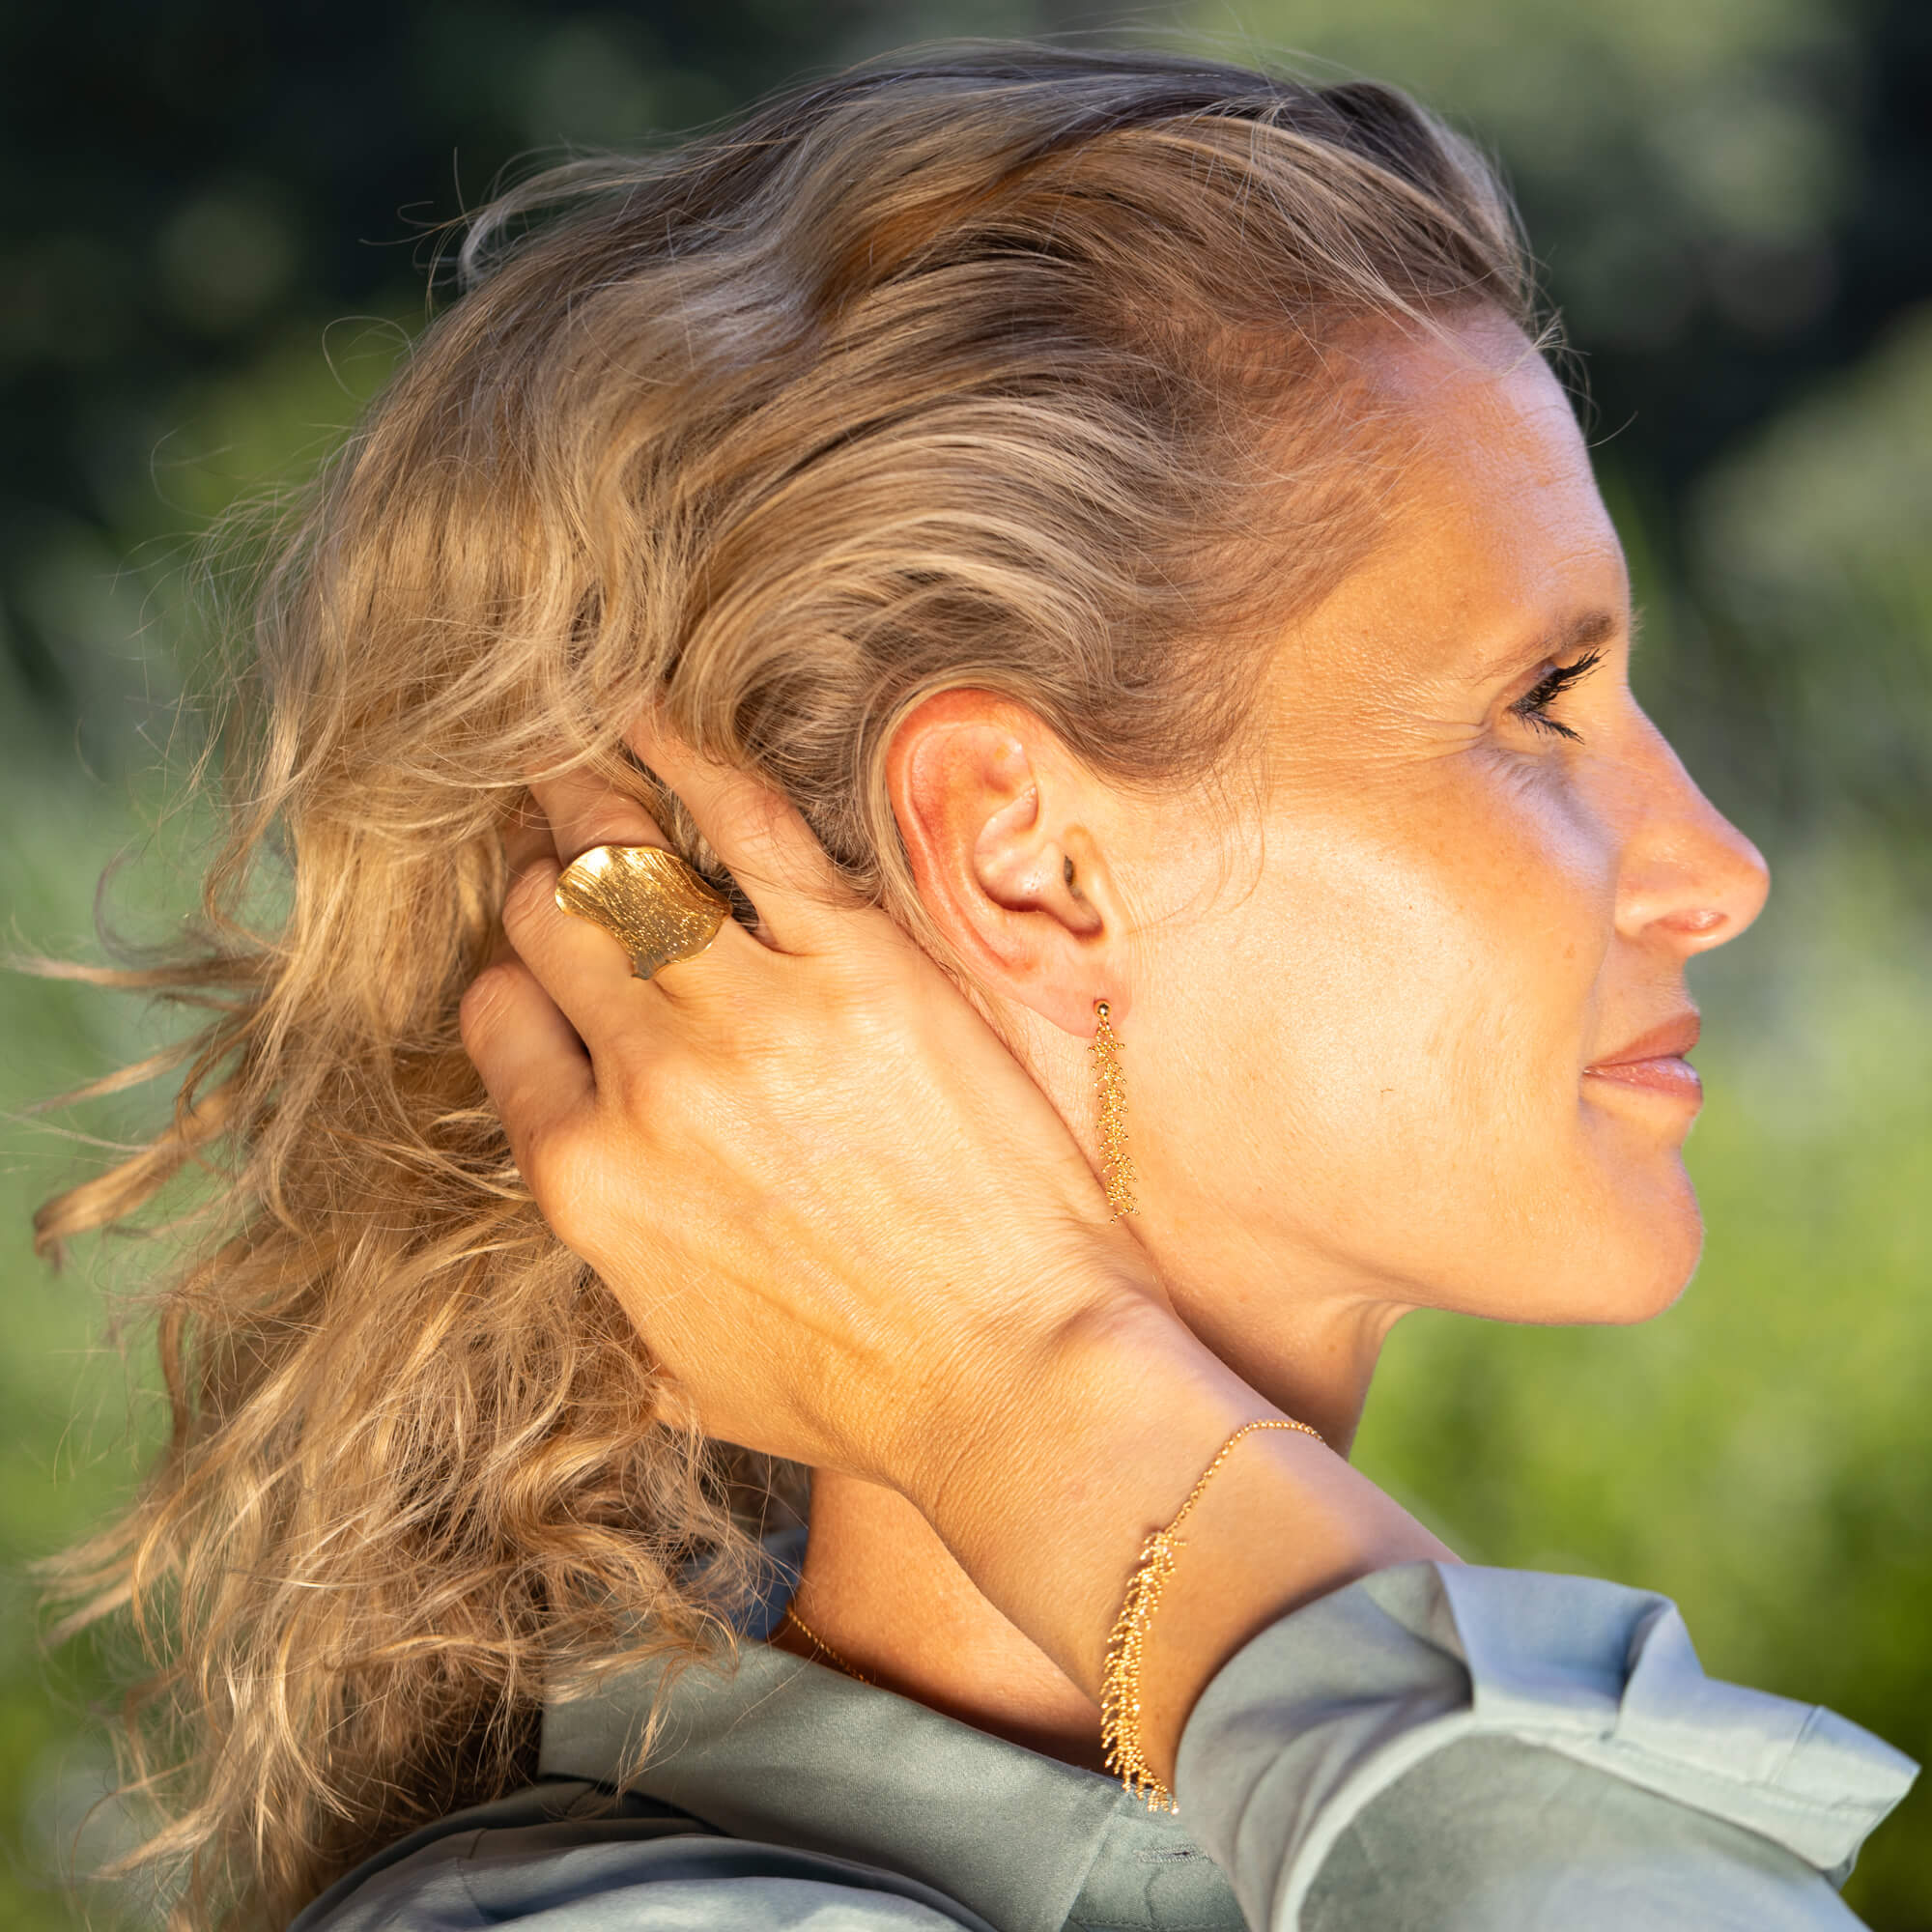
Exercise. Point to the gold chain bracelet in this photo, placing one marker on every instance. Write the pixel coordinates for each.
(1120, 1680)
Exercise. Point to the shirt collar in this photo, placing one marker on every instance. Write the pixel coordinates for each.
(782, 1750)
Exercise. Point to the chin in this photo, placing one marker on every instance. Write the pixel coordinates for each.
(1638, 1231)
(1647, 1256)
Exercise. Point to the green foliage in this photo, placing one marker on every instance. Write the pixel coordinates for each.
(66, 1453)
(1809, 547)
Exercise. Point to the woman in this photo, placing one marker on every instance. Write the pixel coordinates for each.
(1085, 556)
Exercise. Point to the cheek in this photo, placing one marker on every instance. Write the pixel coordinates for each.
(1444, 951)
(1374, 1057)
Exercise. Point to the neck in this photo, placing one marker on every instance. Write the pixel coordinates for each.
(884, 1592)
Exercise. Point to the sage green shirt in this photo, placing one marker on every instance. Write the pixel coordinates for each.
(1437, 1747)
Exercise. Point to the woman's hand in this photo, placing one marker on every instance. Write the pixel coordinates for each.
(847, 1224)
(853, 1233)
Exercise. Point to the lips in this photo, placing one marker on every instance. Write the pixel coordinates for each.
(1655, 1061)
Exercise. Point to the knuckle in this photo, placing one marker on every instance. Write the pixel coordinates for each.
(484, 1001)
(628, 1085)
(584, 1208)
(669, 1093)
(545, 1158)
(530, 898)
(643, 1083)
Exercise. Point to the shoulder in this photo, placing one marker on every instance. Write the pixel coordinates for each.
(571, 1856)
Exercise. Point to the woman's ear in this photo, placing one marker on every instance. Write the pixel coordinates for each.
(997, 816)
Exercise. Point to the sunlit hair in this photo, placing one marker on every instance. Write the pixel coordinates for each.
(1016, 369)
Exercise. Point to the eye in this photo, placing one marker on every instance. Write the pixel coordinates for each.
(1533, 706)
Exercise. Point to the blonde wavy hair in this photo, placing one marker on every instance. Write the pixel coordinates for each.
(1013, 368)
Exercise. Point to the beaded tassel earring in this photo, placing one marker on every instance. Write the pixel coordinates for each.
(1116, 1166)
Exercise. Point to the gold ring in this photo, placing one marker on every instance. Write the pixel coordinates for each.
(654, 906)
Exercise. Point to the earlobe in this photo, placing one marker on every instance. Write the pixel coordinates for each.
(993, 814)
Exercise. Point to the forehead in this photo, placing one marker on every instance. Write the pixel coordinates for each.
(1493, 532)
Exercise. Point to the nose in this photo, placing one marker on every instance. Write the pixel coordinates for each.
(1690, 879)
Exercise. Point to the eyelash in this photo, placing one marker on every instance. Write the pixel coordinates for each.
(1533, 706)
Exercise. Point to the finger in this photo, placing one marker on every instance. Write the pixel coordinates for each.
(760, 835)
(583, 969)
(583, 811)
(533, 1065)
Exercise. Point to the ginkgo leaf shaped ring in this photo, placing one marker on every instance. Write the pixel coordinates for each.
(658, 908)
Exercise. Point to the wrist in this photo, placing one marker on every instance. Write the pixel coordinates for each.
(995, 1395)
(1045, 1487)
(1046, 1496)
(1018, 1396)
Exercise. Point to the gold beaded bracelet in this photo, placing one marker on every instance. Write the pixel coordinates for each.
(1120, 1680)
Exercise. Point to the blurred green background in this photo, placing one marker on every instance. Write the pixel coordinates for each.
(212, 244)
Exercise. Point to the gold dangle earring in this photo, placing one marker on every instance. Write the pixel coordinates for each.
(1116, 1166)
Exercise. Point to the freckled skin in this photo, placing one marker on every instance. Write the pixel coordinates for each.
(1358, 1082)
(1357, 999)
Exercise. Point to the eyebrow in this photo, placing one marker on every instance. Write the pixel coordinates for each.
(1582, 631)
